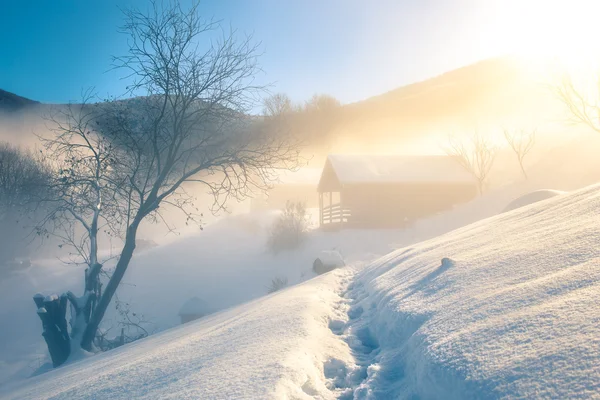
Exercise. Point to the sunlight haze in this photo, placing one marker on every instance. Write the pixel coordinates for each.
(310, 199)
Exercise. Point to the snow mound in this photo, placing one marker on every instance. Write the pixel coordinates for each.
(271, 348)
(531, 198)
(195, 306)
(511, 314)
(328, 260)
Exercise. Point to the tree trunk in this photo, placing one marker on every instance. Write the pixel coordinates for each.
(92, 285)
(111, 287)
(52, 311)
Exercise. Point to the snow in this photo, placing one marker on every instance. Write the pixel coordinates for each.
(224, 265)
(530, 198)
(331, 258)
(398, 169)
(260, 350)
(513, 315)
(195, 306)
(505, 307)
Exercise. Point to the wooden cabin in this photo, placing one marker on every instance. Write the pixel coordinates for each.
(369, 191)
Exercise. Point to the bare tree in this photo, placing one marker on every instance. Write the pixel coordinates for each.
(521, 142)
(322, 103)
(476, 155)
(125, 161)
(277, 105)
(583, 105)
(23, 176)
(319, 118)
(81, 200)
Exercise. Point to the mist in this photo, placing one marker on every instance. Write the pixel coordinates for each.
(304, 200)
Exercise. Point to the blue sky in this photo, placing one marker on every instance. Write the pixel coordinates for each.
(352, 49)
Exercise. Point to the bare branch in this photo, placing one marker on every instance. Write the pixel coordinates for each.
(476, 155)
(521, 142)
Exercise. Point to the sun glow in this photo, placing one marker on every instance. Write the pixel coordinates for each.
(566, 31)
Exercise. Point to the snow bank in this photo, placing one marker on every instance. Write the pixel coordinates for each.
(533, 197)
(503, 308)
(272, 348)
(225, 265)
(512, 312)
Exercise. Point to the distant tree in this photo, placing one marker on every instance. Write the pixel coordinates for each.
(289, 229)
(521, 142)
(476, 154)
(277, 284)
(321, 115)
(23, 178)
(277, 105)
(582, 101)
(119, 163)
(322, 103)
(313, 122)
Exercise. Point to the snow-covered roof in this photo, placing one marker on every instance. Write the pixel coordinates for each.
(397, 169)
(194, 306)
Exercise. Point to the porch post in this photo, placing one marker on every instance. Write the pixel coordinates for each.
(330, 205)
(320, 209)
(341, 211)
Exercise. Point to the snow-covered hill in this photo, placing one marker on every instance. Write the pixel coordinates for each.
(224, 265)
(503, 308)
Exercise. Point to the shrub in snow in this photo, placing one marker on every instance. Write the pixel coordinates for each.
(277, 284)
(289, 229)
(328, 260)
(133, 326)
(193, 309)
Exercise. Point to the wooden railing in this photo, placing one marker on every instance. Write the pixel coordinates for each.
(334, 214)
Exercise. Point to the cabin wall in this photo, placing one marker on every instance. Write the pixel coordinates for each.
(381, 206)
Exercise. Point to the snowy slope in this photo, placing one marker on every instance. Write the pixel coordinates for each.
(510, 313)
(263, 349)
(225, 265)
(513, 313)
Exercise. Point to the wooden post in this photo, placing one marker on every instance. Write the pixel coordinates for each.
(320, 209)
(341, 212)
(330, 205)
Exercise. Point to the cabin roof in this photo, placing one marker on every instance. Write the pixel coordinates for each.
(391, 169)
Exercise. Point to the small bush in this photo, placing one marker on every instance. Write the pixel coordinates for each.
(277, 284)
(289, 230)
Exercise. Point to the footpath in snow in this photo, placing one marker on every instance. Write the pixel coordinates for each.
(503, 308)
